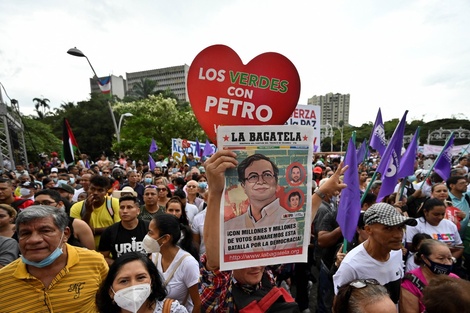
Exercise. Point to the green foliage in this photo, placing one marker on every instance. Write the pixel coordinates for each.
(39, 138)
(155, 117)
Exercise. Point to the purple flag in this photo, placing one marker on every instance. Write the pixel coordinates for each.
(207, 149)
(443, 164)
(197, 148)
(407, 163)
(377, 138)
(361, 152)
(153, 146)
(152, 164)
(349, 208)
(390, 163)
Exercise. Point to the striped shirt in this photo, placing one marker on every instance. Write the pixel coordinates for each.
(72, 290)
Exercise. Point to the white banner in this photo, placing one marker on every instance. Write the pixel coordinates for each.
(177, 150)
(432, 149)
(308, 115)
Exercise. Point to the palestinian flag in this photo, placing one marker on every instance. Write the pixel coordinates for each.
(69, 143)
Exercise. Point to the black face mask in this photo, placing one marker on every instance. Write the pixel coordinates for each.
(438, 268)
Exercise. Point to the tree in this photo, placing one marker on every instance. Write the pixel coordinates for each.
(39, 138)
(41, 105)
(143, 89)
(155, 117)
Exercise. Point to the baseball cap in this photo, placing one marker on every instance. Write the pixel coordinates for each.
(318, 170)
(28, 184)
(386, 214)
(54, 170)
(66, 188)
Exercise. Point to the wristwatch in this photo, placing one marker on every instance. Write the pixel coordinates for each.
(320, 194)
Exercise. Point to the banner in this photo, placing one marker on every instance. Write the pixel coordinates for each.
(308, 115)
(265, 214)
(435, 150)
(177, 150)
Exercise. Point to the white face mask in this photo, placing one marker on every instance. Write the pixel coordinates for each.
(150, 245)
(132, 298)
(24, 191)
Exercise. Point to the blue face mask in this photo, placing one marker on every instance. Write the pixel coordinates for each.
(48, 260)
(72, 180)
(62, 181)
(203, 185)
(147, 180)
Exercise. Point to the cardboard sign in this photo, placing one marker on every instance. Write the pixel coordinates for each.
(224, 91)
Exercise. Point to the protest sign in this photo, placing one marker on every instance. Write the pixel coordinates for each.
(266, 209)
(308, 115)
(224, 91)
(177, 151)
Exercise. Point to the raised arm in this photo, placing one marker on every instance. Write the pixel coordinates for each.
(215, 173)
(331, 185)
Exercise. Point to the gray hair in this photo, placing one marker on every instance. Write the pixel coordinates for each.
(358, 298)
(34, 212)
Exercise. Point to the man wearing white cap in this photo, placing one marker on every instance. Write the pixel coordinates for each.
(380, 256)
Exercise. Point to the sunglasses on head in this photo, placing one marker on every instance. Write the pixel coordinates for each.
(359, 284)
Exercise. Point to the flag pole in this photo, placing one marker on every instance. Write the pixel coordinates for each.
(434, 164)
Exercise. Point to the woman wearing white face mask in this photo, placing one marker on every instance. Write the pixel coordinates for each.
(134, 285)
(179, 269)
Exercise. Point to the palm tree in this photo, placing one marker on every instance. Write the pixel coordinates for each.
(143, 88)
(41, 103)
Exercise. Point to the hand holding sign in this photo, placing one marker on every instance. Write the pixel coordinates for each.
(224, 91)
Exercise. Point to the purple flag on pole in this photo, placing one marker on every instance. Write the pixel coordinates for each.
(197, 148)
(377, 138)
(152, 164)
(153, 146)
(349, 208)
(407, 163)
(390, 162)
(207, 149)
(361, 152)
(443, 164)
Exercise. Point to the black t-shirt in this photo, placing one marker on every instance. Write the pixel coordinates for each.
(119, 240)
(329, 224)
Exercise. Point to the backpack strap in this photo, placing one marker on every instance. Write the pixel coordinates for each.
(167, 305)
(109, 207)
(174, 269)
(415, 281)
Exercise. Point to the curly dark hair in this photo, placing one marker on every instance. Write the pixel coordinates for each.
(104, 302)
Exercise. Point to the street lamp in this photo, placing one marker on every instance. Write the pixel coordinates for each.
(120, 124)
(329, 133)
(78, 53)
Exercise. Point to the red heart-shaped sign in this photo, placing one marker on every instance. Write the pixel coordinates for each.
(224, 91)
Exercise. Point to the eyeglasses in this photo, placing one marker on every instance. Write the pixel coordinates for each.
(254, 178)
(191, 186)
(45, 202)
(162, 189)
(358, 284)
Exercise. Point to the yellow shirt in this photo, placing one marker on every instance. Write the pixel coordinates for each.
(100, 217)
(72, 290)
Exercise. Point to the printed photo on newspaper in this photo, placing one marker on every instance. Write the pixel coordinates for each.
(265, 213)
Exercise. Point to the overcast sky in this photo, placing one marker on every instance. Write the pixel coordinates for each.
(397, 54)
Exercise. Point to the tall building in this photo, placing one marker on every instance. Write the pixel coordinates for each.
(334, 108)
(118, 86)
(172, 78)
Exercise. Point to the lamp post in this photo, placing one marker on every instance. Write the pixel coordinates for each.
(329, 133)
(78, 53)
(340, 127)
(120, 124)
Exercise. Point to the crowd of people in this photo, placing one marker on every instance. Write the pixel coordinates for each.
(116, 236)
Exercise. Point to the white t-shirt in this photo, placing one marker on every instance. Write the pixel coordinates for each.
(191, 211)
(197, 227)
(358, 264)
(446, 231)
(185, 276)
